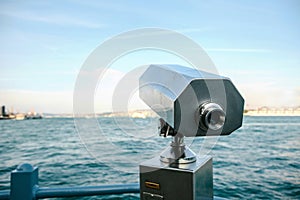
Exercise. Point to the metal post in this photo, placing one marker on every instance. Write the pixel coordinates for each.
(23, 183)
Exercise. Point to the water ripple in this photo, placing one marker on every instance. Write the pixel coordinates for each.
(259, 161)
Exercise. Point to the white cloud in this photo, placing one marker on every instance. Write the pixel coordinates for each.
(107, 87)
(196, 30)
(62, 102)
(256, 93)
(262, 87)
(39, 101)
(239, 50)
(268, 94)
(56, 19)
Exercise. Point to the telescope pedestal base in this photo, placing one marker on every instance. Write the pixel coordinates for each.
(193, 181)
(179, 155)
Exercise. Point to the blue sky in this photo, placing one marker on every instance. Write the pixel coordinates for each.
(44, 44)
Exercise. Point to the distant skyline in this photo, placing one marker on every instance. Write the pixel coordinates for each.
(44, 43)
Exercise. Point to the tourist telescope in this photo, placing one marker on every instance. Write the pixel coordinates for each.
(190, 103)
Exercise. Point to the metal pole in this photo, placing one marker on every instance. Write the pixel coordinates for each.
(23, 182)
(4, 195)
(24, 186)
(42, 193)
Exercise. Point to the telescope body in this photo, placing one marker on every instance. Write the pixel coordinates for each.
(191, 101)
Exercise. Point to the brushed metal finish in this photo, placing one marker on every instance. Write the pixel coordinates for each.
(212, 116)
(175, 93)
(178, 152)
(178, 181)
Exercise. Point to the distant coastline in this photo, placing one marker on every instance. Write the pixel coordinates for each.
(145, 113)
(266, 111)
(263, 111)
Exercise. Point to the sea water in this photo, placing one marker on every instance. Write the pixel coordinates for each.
(261, 160)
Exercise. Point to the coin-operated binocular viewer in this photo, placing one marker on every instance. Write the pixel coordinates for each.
(190, 103)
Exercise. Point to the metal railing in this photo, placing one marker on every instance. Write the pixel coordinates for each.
(24, 186)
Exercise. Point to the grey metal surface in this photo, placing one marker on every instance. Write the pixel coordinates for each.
(182, 155)
(178, 152)
(177, 93)
(213, 116)
(20, 184)
(177, 181)
(23, 182)
(42, 193)
(4, 194)
(24, 186)
(55, 192)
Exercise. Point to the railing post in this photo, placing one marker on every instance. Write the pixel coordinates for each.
(23, 182)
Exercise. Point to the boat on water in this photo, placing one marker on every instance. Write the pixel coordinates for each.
(4, 118)
(33, 115)
(18, 116)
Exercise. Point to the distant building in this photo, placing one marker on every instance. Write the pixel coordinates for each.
(3, 113)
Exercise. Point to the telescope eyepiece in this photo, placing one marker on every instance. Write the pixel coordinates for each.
(212, 116)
